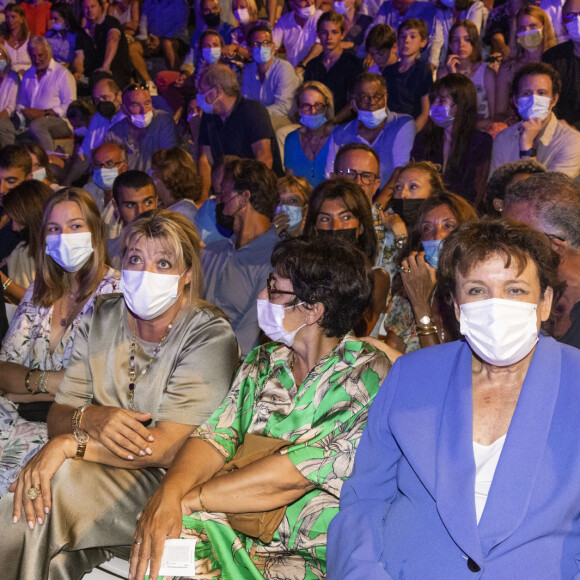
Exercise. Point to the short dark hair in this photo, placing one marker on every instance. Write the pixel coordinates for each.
(80, 109)
(367, 77)
(131, 179)
(414, 24)
(259, 28)
(178, 172)
(534, 69)
(555, 197)
(332, 272)
(211, 32)
(15, 157)
(331, 16)
(257, 178)
(381, 37)
(356, 147)
(355, 200)
(503, 176)
(474, 242)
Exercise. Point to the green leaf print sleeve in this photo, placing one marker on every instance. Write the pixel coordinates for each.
(227, 426)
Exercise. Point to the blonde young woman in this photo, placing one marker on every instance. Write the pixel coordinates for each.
(71, 273)
(147, 367)
(534, 34)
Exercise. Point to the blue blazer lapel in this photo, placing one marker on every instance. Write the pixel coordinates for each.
(455, 478)
(524, 447)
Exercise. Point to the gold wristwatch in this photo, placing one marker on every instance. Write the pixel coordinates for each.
(82, 438)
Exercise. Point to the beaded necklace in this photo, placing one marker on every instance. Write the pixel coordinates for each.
(132, 368)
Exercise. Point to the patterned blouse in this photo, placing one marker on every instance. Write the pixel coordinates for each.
(324, 418)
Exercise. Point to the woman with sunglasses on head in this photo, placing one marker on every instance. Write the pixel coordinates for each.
(147, 367)
(306, 149)
(71, 271)
(302, 401)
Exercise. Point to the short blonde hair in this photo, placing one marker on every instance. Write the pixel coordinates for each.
(51, 280)
(253, 9)
(319, 88)
(178, 236)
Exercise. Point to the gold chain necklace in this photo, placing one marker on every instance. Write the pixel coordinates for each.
(132, 368)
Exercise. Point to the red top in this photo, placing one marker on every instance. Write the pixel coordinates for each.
(36, 17)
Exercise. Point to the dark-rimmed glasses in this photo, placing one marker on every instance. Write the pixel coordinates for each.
(366, 177)
(95, 165)
(273, 290)
(135, 87)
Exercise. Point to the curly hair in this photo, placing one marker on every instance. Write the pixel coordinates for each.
(332, 272)
(503, 176)
(355, 200)
(177, 170)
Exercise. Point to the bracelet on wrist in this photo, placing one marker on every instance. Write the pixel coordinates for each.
(27, 382)
(203, 508)
(6, 284)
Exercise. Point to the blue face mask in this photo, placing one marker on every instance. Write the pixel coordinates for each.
(313, 121)
(294, 212)
(432, 248)
(262, 54)
(105, 178)
(211, 55)
(57, 27)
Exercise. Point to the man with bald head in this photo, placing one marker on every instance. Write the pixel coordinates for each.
(550, 203)
(108, 161)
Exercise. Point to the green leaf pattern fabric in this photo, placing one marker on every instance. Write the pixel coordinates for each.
(324, 418)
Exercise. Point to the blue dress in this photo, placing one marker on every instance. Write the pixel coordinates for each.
(295, 159)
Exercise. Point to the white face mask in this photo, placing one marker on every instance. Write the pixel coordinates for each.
(307, 11)
(573, 29)
(294, 212)
(340, 6)
(534, 107)
(441, 115)
(39, 174)
(271, 321)
(70, 251)
(262, 54)
(372, 119)
(530, 39)
(142, 121)
(501, 332)
(105, 178)
(203, 104)
(242, 15)
(148, 294)
(81, 131)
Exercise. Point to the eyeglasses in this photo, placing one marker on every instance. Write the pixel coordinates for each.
(108, 165)
(366, 177)
(366, 100)
(135, 87)
(571, 16)
(272, 290)
(306, 108)
(257, 44)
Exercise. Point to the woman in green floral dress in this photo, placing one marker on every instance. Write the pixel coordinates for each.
(312, 388)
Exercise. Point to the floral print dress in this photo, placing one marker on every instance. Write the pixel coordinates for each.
(324, 418)
(27, 342)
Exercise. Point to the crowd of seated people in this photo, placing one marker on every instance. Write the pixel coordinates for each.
(232, 232)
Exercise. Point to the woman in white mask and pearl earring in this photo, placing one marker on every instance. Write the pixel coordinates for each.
(471, 451)
(146, 368)
(71, 271)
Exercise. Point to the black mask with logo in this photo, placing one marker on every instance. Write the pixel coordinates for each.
(107, 109)
(407, 209)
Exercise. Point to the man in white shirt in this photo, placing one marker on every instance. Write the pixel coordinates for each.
(539, 135)
(47, 90)
(107, 97)
(296, 31)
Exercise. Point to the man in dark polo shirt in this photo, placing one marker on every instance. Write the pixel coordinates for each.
(232, 124)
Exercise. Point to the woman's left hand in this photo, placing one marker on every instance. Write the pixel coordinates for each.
(419, 279)
(36, 475)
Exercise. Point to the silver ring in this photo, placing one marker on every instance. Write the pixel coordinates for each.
(138, 516)
(136, 543)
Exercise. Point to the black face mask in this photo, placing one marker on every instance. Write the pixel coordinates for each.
(107, 109)
(348, 235)
(407, 209)
(223, 221)
(212, 20)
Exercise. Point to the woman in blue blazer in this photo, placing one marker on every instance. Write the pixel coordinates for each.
(470, 464)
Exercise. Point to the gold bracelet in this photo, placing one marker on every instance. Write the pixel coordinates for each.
(27, 382)
(203, 508)
(427, 331)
